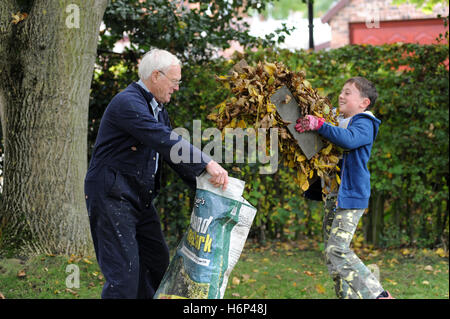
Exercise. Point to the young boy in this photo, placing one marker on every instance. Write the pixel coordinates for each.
(355, 134)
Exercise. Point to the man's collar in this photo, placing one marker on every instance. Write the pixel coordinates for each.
(151, 98)
(142, 85)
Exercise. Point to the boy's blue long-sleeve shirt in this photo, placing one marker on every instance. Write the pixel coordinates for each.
(357, 140)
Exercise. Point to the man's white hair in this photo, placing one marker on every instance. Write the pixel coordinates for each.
(156, 60)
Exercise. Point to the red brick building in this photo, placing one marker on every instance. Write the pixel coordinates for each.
(379, 21)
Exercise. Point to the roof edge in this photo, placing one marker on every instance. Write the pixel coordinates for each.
(333, 11)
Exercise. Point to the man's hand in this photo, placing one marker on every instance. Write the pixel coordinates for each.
(219, 176)
(308, 123)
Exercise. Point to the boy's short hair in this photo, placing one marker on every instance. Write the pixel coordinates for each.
(366, 89)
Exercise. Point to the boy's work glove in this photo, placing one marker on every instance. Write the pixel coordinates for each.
(309, 123)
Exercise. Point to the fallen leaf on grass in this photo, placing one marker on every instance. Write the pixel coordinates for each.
(320, 289)
(308, 273)
(235, 281)
(235, 294)
(428, 268)
(72, 292)
(87, 261)
(425, 282)
(393, 282)
(440, 252)
(2, 296)
(21, 273)
(393, 261)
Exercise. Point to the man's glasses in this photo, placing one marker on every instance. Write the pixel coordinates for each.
(175, 82)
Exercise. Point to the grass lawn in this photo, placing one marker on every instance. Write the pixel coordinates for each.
(278, 270)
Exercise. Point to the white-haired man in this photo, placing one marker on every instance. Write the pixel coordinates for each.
(124, 177)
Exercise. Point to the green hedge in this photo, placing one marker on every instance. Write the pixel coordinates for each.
(409, 162)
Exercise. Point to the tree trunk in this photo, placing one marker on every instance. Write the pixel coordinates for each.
(46, 63)
(374, 226)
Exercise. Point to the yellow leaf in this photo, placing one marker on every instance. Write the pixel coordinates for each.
(393, 282)
(307, 84)
(18, 17)
(405, 251)
(236, 169)
(242, 124)
(301, 158)
(320, 289)
(271, 108)
(235, 281)
(252, 90)
(317, 114)
(87, 261)
(440, 252)
(338, 179)
(270, 68)
(233, 123)
(333, 159)
(327, 149)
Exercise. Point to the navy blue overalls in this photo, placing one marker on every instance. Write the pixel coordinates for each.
(120, 186)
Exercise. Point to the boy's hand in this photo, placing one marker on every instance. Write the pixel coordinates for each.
(308, 123)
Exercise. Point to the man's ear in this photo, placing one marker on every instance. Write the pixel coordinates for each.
(154, 76)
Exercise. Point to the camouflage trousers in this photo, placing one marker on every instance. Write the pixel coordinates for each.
(352, 279)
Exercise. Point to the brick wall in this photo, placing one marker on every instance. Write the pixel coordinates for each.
(372, 12)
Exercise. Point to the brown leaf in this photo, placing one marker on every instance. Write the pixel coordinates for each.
(287, 99)
(72, 292)
(18, 17)
(320, 289)
(21, 273)
(308, 273)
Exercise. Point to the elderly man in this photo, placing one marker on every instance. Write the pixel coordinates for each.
(123, 179)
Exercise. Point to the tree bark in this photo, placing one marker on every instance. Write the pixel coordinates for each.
(374, 222)
(46, 64)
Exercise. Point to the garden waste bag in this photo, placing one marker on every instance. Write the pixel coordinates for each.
(212, 245)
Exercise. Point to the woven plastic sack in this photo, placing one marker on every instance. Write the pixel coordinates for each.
(212, 245)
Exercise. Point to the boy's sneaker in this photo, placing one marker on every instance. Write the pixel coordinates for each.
(385, 295)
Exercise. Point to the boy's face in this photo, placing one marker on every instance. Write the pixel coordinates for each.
(351, 102)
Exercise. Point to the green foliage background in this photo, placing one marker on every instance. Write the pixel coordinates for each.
(409, 162)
